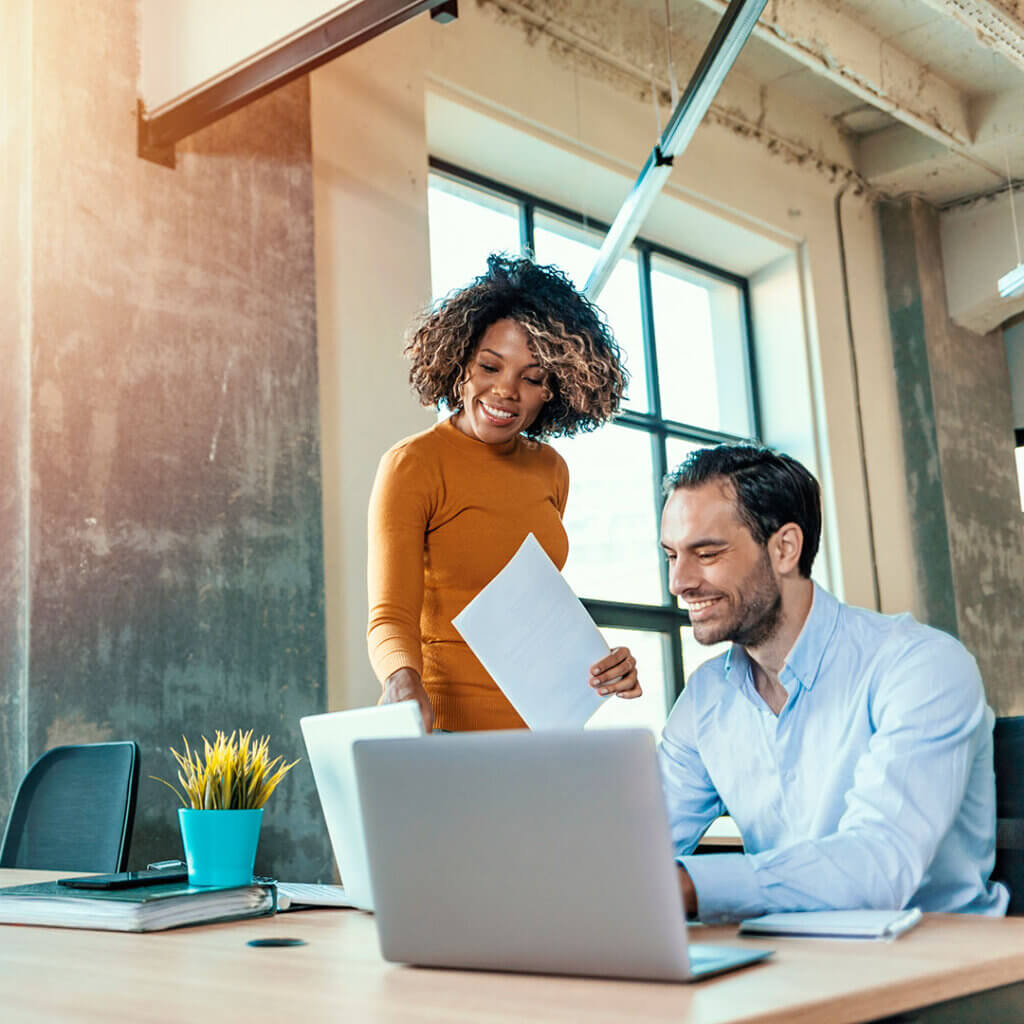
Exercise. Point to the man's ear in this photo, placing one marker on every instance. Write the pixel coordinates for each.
(784, 547)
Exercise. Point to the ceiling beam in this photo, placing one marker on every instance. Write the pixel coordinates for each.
(993, 25)
(296, 55)
(853, 56)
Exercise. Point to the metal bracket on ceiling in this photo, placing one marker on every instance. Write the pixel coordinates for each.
(447, 12)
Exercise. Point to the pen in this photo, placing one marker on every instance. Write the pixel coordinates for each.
(902, 923)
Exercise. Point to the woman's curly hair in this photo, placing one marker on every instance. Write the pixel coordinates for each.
(569, 336)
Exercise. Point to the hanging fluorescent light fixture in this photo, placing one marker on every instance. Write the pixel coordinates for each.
(733, 31)
(1012, 284)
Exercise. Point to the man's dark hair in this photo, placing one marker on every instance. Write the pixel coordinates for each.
(771, 489)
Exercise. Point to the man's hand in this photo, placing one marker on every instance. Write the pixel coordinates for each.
(405, 684)
(616, 673)
(687, 891)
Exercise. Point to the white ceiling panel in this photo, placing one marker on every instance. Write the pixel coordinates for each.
(819, 93)
(888, 17)
(954, 52)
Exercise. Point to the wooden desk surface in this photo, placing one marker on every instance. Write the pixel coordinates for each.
(209, 973)
(723, 835)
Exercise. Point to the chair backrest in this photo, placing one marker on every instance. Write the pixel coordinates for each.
(74, 810)
(1009, 763)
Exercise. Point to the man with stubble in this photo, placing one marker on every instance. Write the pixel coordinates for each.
(852, 749)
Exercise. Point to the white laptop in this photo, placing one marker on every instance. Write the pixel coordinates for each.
(329, 740)
(518, 851)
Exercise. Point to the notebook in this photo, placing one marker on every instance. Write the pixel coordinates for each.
(835, 924)
(145, 909)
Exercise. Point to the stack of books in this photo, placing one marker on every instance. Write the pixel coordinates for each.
(143, 909)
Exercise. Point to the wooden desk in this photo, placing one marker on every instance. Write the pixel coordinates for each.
(722, 836)
(209, 973)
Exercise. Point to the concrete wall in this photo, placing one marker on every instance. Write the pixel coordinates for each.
(15, 342)
(957, 421)
(175, 538)
(1013, 336)
(933, 569)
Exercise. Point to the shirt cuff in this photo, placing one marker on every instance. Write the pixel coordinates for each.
(727, 888)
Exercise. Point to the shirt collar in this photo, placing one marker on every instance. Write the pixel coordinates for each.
(804, 660)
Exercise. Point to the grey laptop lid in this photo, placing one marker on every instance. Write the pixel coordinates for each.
(329, 740)
(543, 852)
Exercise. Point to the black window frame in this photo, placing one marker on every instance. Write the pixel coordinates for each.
(669, 617)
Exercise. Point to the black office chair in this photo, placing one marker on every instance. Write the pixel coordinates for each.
(1009, 759)
(74, 810)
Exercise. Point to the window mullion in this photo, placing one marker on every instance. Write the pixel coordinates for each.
(674, 668)
(659, 460)
(753, 403)
(526, 229)
(658, 455)
(647, 323)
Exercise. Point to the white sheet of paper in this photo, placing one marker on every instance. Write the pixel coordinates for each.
(536, 640)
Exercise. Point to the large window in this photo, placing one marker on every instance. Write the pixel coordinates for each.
(684, 329)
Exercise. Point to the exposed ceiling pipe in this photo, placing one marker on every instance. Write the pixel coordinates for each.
(733, 31)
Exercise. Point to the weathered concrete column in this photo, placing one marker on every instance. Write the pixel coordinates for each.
(175, 553)
(15, 341)
(955, 406)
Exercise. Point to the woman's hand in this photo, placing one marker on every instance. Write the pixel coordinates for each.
(616, 673)
(405, 684)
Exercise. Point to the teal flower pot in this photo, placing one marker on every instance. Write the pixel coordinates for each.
(220, 846)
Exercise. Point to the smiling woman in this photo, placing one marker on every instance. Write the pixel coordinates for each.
(504, 388)
(519, 355)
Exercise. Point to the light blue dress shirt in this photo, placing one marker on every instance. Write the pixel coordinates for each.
(873, 788)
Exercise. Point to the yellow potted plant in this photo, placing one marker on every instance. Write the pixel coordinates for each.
(223, 792)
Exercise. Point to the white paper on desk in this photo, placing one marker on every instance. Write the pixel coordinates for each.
(536, 640)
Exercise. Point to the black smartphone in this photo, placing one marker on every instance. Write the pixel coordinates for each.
(125, 879)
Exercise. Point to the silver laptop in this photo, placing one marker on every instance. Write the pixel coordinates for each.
(518, 851)
(329, 740)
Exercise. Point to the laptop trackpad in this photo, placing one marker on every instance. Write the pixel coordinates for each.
(708, 960)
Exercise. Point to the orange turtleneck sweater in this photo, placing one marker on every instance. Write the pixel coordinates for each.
(446, 513)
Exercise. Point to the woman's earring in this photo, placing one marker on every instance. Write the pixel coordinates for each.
(458, 392)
